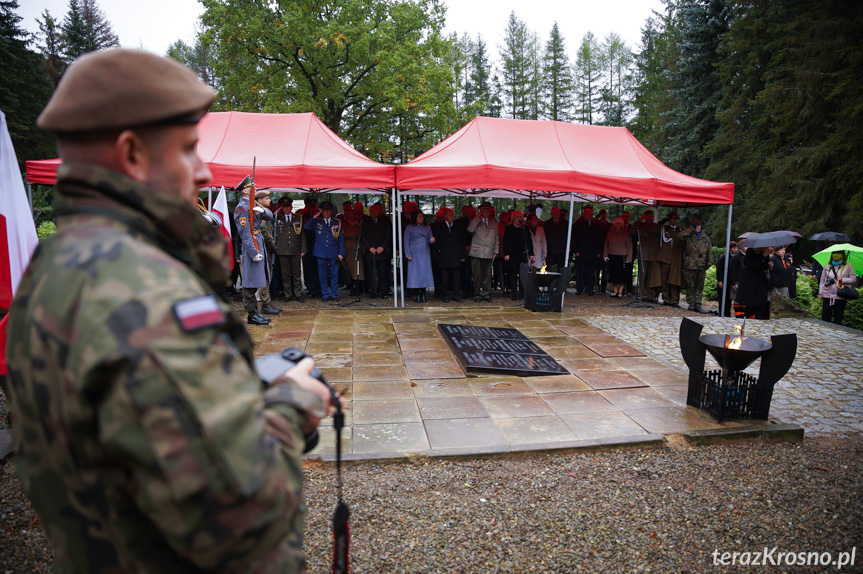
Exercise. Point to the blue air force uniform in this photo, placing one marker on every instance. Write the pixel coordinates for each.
(329, 244)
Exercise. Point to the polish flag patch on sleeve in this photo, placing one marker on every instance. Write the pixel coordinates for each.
(198, 313)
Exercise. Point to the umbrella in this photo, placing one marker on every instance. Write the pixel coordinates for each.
(771, 239)
(855, 256)
(830, 236)
(793, 234)
(746, 235)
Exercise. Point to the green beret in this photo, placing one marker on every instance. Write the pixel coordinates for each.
(122, 88)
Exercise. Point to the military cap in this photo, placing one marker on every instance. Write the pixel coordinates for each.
(694, 221)
(732, 244)
(122, 88)
(285, 200)
(326, 205)
(310, 200)
(247, 182)
(261, 193)
(485, 204)
(673, 214)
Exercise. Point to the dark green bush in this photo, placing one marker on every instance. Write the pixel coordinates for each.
(46, 229)
(710, 287)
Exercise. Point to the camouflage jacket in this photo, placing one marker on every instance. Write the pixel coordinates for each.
(143, 436)
(697, 250)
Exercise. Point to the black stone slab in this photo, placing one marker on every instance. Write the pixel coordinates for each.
(497, 350)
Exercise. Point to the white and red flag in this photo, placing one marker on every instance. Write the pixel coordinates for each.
(18, 236)
(221, 207)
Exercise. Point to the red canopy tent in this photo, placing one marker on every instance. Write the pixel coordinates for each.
(291, 151)
(501, 157)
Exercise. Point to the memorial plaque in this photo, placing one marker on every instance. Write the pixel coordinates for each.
(497, 350)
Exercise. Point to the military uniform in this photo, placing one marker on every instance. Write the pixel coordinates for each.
(290, 245)
(329, 245)
(669, 258)
(697, 259)
(143, 436)
(138, 413)
(255, 274)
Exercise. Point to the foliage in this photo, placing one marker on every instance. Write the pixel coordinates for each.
(46, 229)
(617, 61)
(51, 49)
(807, 291)
(24, 89)
(854, 315)
(377, 72)
(651, 92)
(711, 290)
(199, 58)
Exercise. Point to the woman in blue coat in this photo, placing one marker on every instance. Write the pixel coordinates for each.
(418, 238)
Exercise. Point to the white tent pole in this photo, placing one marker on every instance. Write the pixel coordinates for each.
(727, 263)
(568, 245)
(395, 248)
(30, 197)
(400, 239)
(210, 198)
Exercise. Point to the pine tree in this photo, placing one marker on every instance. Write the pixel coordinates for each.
(25, 88)
(616, 81)
(479, 94)
(73, 34)
(516, 58)
(557, 85)
(588, 64)
(51, 47)
(696, 86)
(99, 35)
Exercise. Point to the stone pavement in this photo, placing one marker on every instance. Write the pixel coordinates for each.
(406, 394)
(823, 390)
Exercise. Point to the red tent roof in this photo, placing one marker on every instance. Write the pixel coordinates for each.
(292, 151)
(601, 163)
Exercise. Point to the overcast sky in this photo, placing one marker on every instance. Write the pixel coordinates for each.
(156, 24)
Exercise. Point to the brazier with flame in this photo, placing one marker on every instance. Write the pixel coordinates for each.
(729, 392)
(543, 289)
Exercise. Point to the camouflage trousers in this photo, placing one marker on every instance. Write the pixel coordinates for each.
(250, 303)
(693, 282)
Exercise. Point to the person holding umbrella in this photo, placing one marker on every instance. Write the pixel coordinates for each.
(838, 271)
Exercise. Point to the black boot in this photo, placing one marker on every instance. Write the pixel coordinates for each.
(423, 296)
(257, 319)
(417, 298)
(270, 309)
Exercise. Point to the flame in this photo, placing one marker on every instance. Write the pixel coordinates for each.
(735, 342)
(543, 269)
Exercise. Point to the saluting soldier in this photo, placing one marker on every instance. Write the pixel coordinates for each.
(254, 265)
(697, 259)
(143, 436)
(329, 249)
(290, 247)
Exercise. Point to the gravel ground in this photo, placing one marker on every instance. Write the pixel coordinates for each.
(663, 510)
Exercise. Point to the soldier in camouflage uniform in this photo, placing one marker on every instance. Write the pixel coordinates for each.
(697, 259)
(143, 436)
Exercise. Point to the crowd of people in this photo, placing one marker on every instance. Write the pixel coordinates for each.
(475, 254)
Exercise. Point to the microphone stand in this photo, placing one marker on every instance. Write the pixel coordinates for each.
(636, 302)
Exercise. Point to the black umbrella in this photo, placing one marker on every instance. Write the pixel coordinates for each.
(771, 239)
(830, 236)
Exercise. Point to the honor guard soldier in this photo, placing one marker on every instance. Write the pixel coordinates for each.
(329, 249)
(290, 247)
(254, 265)
(310, 264)
(144, 437)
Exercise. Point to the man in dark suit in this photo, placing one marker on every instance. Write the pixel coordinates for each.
(556, 231)
(450, 247)
(588, 249)
(376, 243)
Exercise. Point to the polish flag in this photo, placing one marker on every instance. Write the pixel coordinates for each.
(18, 236)
(221, 207)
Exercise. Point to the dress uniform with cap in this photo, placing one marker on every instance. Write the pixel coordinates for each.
(290, 246)
(254, 265)
(144, 438)
(329, 249)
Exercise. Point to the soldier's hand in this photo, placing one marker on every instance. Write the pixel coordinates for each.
(341, 257)
(300, 374)
(258, 257)
(258, 209)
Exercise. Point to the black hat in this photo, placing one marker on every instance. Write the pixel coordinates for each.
(326, 205)
(310, 200)
(285, 200)
(673, 214)
(485, 204)
(247, 181)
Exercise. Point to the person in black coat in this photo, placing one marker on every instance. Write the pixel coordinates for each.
(449, 246)
(753, 285)
(724, 260)
(556, 231)
(780, 272)
(588, 238)
(517, 248)
(376, 239)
